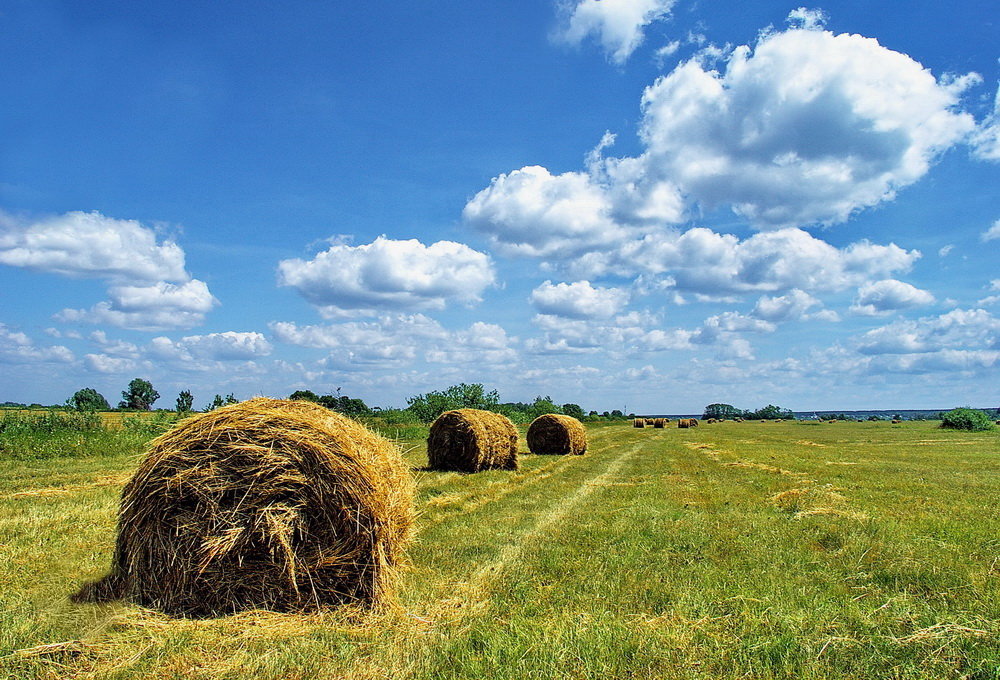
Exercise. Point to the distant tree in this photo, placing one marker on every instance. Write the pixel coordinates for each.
(617, 414)
(185, 402)
(218, 401)
(346, 405)
(592, 414)
(139, 396)
(305, 395)
(429, 406)
(721, 412)
(88, 399)
(572, 410)
(771, 412)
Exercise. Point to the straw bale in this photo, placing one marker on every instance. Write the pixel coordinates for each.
(659, 423)
(639, 422)
(271, 504)
(557, 434)
(470, 440)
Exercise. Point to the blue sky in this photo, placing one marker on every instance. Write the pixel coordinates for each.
(640, 204)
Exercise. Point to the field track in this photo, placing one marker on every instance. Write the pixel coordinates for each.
(846, 550)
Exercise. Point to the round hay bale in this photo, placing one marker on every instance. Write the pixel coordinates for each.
(271, 504)
(470, 440)
(659, 423)
(557, 434)
(639, 422)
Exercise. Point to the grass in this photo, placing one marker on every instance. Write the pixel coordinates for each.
(775, 550)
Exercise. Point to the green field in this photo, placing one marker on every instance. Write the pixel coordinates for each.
(735, 550)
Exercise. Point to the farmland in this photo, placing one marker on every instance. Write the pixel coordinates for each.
(791, 549)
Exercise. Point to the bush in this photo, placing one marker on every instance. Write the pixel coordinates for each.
(967, 419)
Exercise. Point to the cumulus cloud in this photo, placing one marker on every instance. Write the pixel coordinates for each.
(887, 296)
(397, 340)
(17, 348)
(103, 363)
(390, 274)
(992, 233)
(790, 307)
(156, 307)
(149, 288)
(702, 261)
(805, 128)
(225, 346)
(91, 245)
(578, 300)
(616, 24)
(960, 330)
(809, 19)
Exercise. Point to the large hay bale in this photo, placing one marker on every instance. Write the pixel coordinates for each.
(639, 422)
(470, 440)
(273, 504)
(687, 422)
(659, 423)
(557, 434)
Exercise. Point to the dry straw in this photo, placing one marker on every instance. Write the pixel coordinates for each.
(639, 422)
(557, 434)
(687, 422)
(659, 423)
(470, 440)
(269, 504)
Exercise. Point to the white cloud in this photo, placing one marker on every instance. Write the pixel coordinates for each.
(945, 250)
(617, 24)
(225, 346)
(808, 127)
(17, 348)
(161, 306)
(390, 274)
(578, 300)
(887, 296)
(809, 19)
(702, 261)
(986, 139)
(102, 363)
(397, 340)
(992, 233)
(958, 330)
(790, 307)
(91, 245)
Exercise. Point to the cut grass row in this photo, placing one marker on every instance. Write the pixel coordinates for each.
(661, 553)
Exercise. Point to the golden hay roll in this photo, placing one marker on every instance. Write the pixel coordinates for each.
(687, 422)
(639, 422)
(557, 434)
(273, 504)
(659, 423)
(470, 440)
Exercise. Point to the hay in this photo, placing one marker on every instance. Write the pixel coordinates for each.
(270, 504)
(659, 423)
(639, 422)
(557, 434)
(687, 422)
(470, 440)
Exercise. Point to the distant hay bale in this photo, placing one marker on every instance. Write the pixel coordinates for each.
(557, 434)
(659, 423)
(650, 422)
(270, 504)
(896, 422)
(639, 422)
(470, 440)
(687, 422)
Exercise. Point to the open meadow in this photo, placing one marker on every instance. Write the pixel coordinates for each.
(733, 550)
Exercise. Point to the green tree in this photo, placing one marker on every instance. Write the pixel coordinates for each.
(346, 405)
(771, 412)
(88, 399)
(185, 402)
(218, 401)
(967, 419)
(721, 412)
(305, 395)
(572, 410)
(429, 406)
(139, 396)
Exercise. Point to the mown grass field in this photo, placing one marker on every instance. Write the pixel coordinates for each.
(787, 550)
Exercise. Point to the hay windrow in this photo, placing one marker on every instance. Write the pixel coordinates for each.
(269, 504)
(557, 434)
(471, 440)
